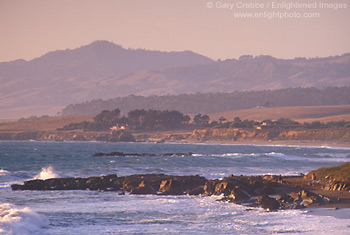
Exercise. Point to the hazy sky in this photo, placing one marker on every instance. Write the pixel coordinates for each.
(30, 28)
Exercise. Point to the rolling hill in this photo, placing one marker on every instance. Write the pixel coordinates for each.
(301, 114)
(103, 70)
(69, 76)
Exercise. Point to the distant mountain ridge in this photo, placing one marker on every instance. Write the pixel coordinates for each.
(68, 76)
(104, 70)
(99, 59)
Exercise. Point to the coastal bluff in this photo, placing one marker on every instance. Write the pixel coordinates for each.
(118, 136)
(241, 134)
(271, 192)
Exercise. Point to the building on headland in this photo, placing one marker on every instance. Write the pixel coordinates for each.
(118, 128)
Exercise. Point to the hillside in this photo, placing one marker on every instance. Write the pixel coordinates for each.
(207, 103)
(245, 74)
(300, 114)
(41, 124)
(103, 70)
(69, 76)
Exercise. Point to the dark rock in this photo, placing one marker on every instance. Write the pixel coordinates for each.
(209, 187)
(295, 196)
(171, 187)
(256, 184)
(298, 206)
(268, 203)
(16, 187)
(305, 197)
(143, 188)
(98, 183)
(239, 195)
(116, 185)
(98, 154)
(284, 198)
(310, 197)
(191, 182)
(117, 154)
(195, 191)
(80, 183)
(224, 188)
(34, 185)
(58, 184)
(131, 183)
(268, 189)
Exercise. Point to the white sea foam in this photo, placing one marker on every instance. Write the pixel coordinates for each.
(19, 221)
(6, 179)
(46, 173)
(3, 172)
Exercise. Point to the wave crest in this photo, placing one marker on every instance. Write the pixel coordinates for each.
(46, 173)
(19, 221)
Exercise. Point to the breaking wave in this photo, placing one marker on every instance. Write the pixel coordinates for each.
(46, 173)
(19, 221)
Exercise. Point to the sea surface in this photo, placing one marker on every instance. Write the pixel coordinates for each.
(93, 212)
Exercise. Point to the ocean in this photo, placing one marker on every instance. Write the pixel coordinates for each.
(94, 212)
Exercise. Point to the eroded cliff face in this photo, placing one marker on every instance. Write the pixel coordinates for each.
(122, 136)
(199, 135)
(236, 134)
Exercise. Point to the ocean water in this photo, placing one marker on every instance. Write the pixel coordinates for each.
(92, 212)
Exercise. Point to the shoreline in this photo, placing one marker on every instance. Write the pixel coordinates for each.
(274, 143)
(291, 143)
(340, 213)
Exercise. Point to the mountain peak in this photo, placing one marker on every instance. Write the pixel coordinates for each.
(102, 44)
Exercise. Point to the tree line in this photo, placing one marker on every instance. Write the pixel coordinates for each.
(217, 102)
(140, 119)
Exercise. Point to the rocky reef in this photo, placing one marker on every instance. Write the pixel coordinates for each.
(159, 184)
(270, 192)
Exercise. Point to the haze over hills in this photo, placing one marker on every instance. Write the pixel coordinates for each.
(103, 70)
(209, 103)
(59, 78)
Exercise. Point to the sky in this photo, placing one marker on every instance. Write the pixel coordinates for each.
(217, 29)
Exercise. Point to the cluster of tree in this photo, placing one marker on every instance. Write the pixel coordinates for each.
(139, 119)
(237, 123)
(155, 119)
(33, 118)
(217, 102)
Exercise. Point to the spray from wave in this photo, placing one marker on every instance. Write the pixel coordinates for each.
(46, 173)
(19, 221)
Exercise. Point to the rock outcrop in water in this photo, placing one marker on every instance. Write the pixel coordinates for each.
(134, 184)
(265, 191)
